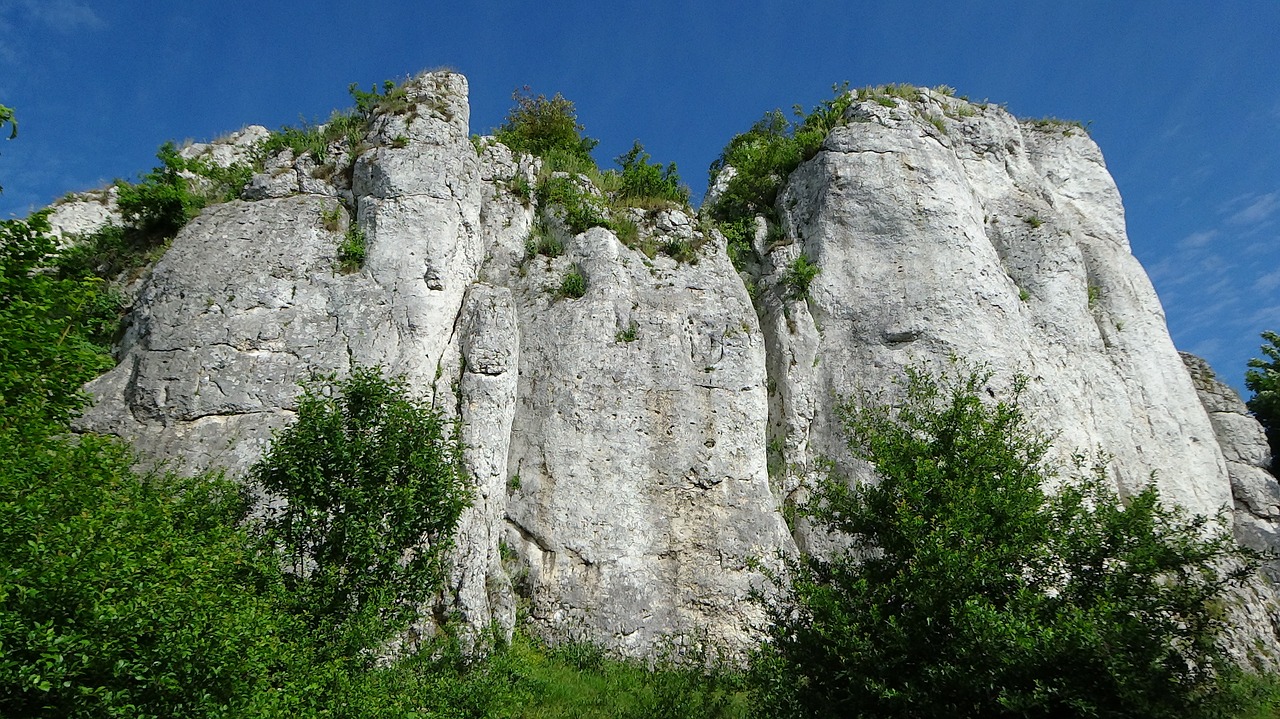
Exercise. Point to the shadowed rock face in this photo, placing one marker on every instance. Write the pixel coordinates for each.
(621, 442)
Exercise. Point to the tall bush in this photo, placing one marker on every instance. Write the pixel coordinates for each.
(968, 591)
(373, 486)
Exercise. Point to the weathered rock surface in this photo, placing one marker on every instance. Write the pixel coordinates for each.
(622, 442)
(999, 241)
(1244, 446)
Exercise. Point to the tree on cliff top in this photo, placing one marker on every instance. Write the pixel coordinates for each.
(546, 128)
(1263, 379)
(972, 592)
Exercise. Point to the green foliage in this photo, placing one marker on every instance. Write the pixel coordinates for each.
(129, 596)
(153, 210)
(6, 117)
(970, 592)
(799, 275)
(331, 218)
(680, 250)
(762, 158)
(1054, 124)
(54, 330)
(630, 334)
(352, 251)
(546, 128)
(1263, 380)
(574, 283)
(582, 680)
(641, 180)
(394, 98)
(313, 139)
(162, 202)
(582, 209)
(1093, 296)
(374, 487)
(1033, 220)
(543, 240)
(888, 95)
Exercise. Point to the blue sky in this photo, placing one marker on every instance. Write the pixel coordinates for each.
(1183, 97)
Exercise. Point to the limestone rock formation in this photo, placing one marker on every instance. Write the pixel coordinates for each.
(1244, 446)
(634, 448)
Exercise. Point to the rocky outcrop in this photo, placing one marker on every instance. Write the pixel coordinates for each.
(634, 448)
(946, 228)
(1244, 446)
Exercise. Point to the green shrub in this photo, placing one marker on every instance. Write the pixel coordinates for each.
(546, 128)
(643, 181)
(153, 210)
(971, 592)
(799, 275)
(763, 158)
(374, 487)
(308, 139)
(574, 283)
(582, 210)
(394, 98)
(1054, 124)
(352, 251)
(7, 118)
(1263, 380)
(130, 596)
(54, 330)
(630, 334)
(162, 203)
(543, 241)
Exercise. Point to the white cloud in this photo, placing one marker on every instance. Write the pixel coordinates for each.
(1267, 282)
(1197, 239)
(63, 15)
(1258, 209)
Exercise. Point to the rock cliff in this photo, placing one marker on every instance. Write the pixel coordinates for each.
(635, 447)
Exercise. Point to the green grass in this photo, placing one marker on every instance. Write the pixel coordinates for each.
(574, 284)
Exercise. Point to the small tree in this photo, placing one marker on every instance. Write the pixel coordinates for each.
(547, 128)
(1263, 379)
(971, 592)
(374, 488)
(642, 180)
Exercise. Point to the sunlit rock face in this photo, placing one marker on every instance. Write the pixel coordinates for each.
(634, 448)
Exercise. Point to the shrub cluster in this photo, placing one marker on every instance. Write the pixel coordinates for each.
(573, 188)
(640, 180)
(375, 486)
(547, 128)
(762, 158)
(153, 210)
(800, 273)
(972, 592)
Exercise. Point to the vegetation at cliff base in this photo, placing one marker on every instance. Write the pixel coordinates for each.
(374, 486)
(969, 590)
